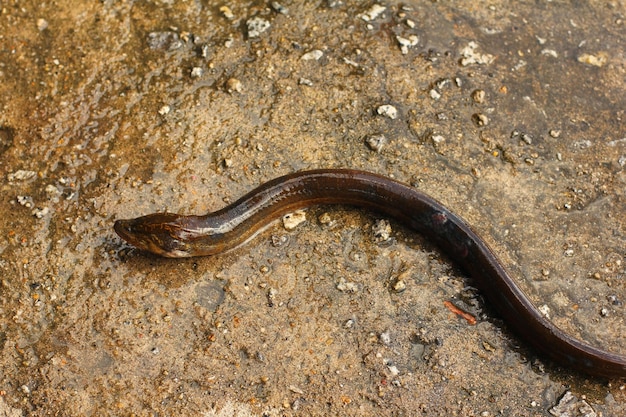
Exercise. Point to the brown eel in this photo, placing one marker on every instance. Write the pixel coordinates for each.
(177, 236)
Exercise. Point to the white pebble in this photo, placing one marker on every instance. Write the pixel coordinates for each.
(20, 175)
(256, 26)
(292, 220)
(372, 13)
(313, 55)
(387, 110)
(406, 43)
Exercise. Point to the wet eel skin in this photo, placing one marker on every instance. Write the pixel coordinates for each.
(175, 236)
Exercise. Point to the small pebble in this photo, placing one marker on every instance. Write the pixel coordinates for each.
(372, 13)
(292, 220)
(382, 230)
(470, 56)
(325, 219)
(594, 60)
(570, 405)
(164, 41)
(256, 26)
(442, 83)
(438, 139)
(480, 119)
(387, 110)
(25, 201)
(393, 369)
(42, 24)
(279, 8)
(376, 142)
(53, 192)
(399, 286)
(613, 300)
(272, 293)
(305, 81)
(233, 85)
(550, 52)
(385, 338)
(295, 389)
(205, 51)
(346, 286)
(41, 213)
(488, 347)
(227, 13)
(278, 241)
(406, 43)
(315, 54)
(21, 175)
(478, 96)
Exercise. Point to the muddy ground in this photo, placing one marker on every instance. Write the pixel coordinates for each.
(510, 113)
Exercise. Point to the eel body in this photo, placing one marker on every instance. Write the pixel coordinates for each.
(175, 236)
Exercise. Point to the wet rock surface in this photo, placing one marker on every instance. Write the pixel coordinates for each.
(510, 114)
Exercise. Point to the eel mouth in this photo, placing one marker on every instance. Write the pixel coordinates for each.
(123, 229)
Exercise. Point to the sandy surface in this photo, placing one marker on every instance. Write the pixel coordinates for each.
(511, 114)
